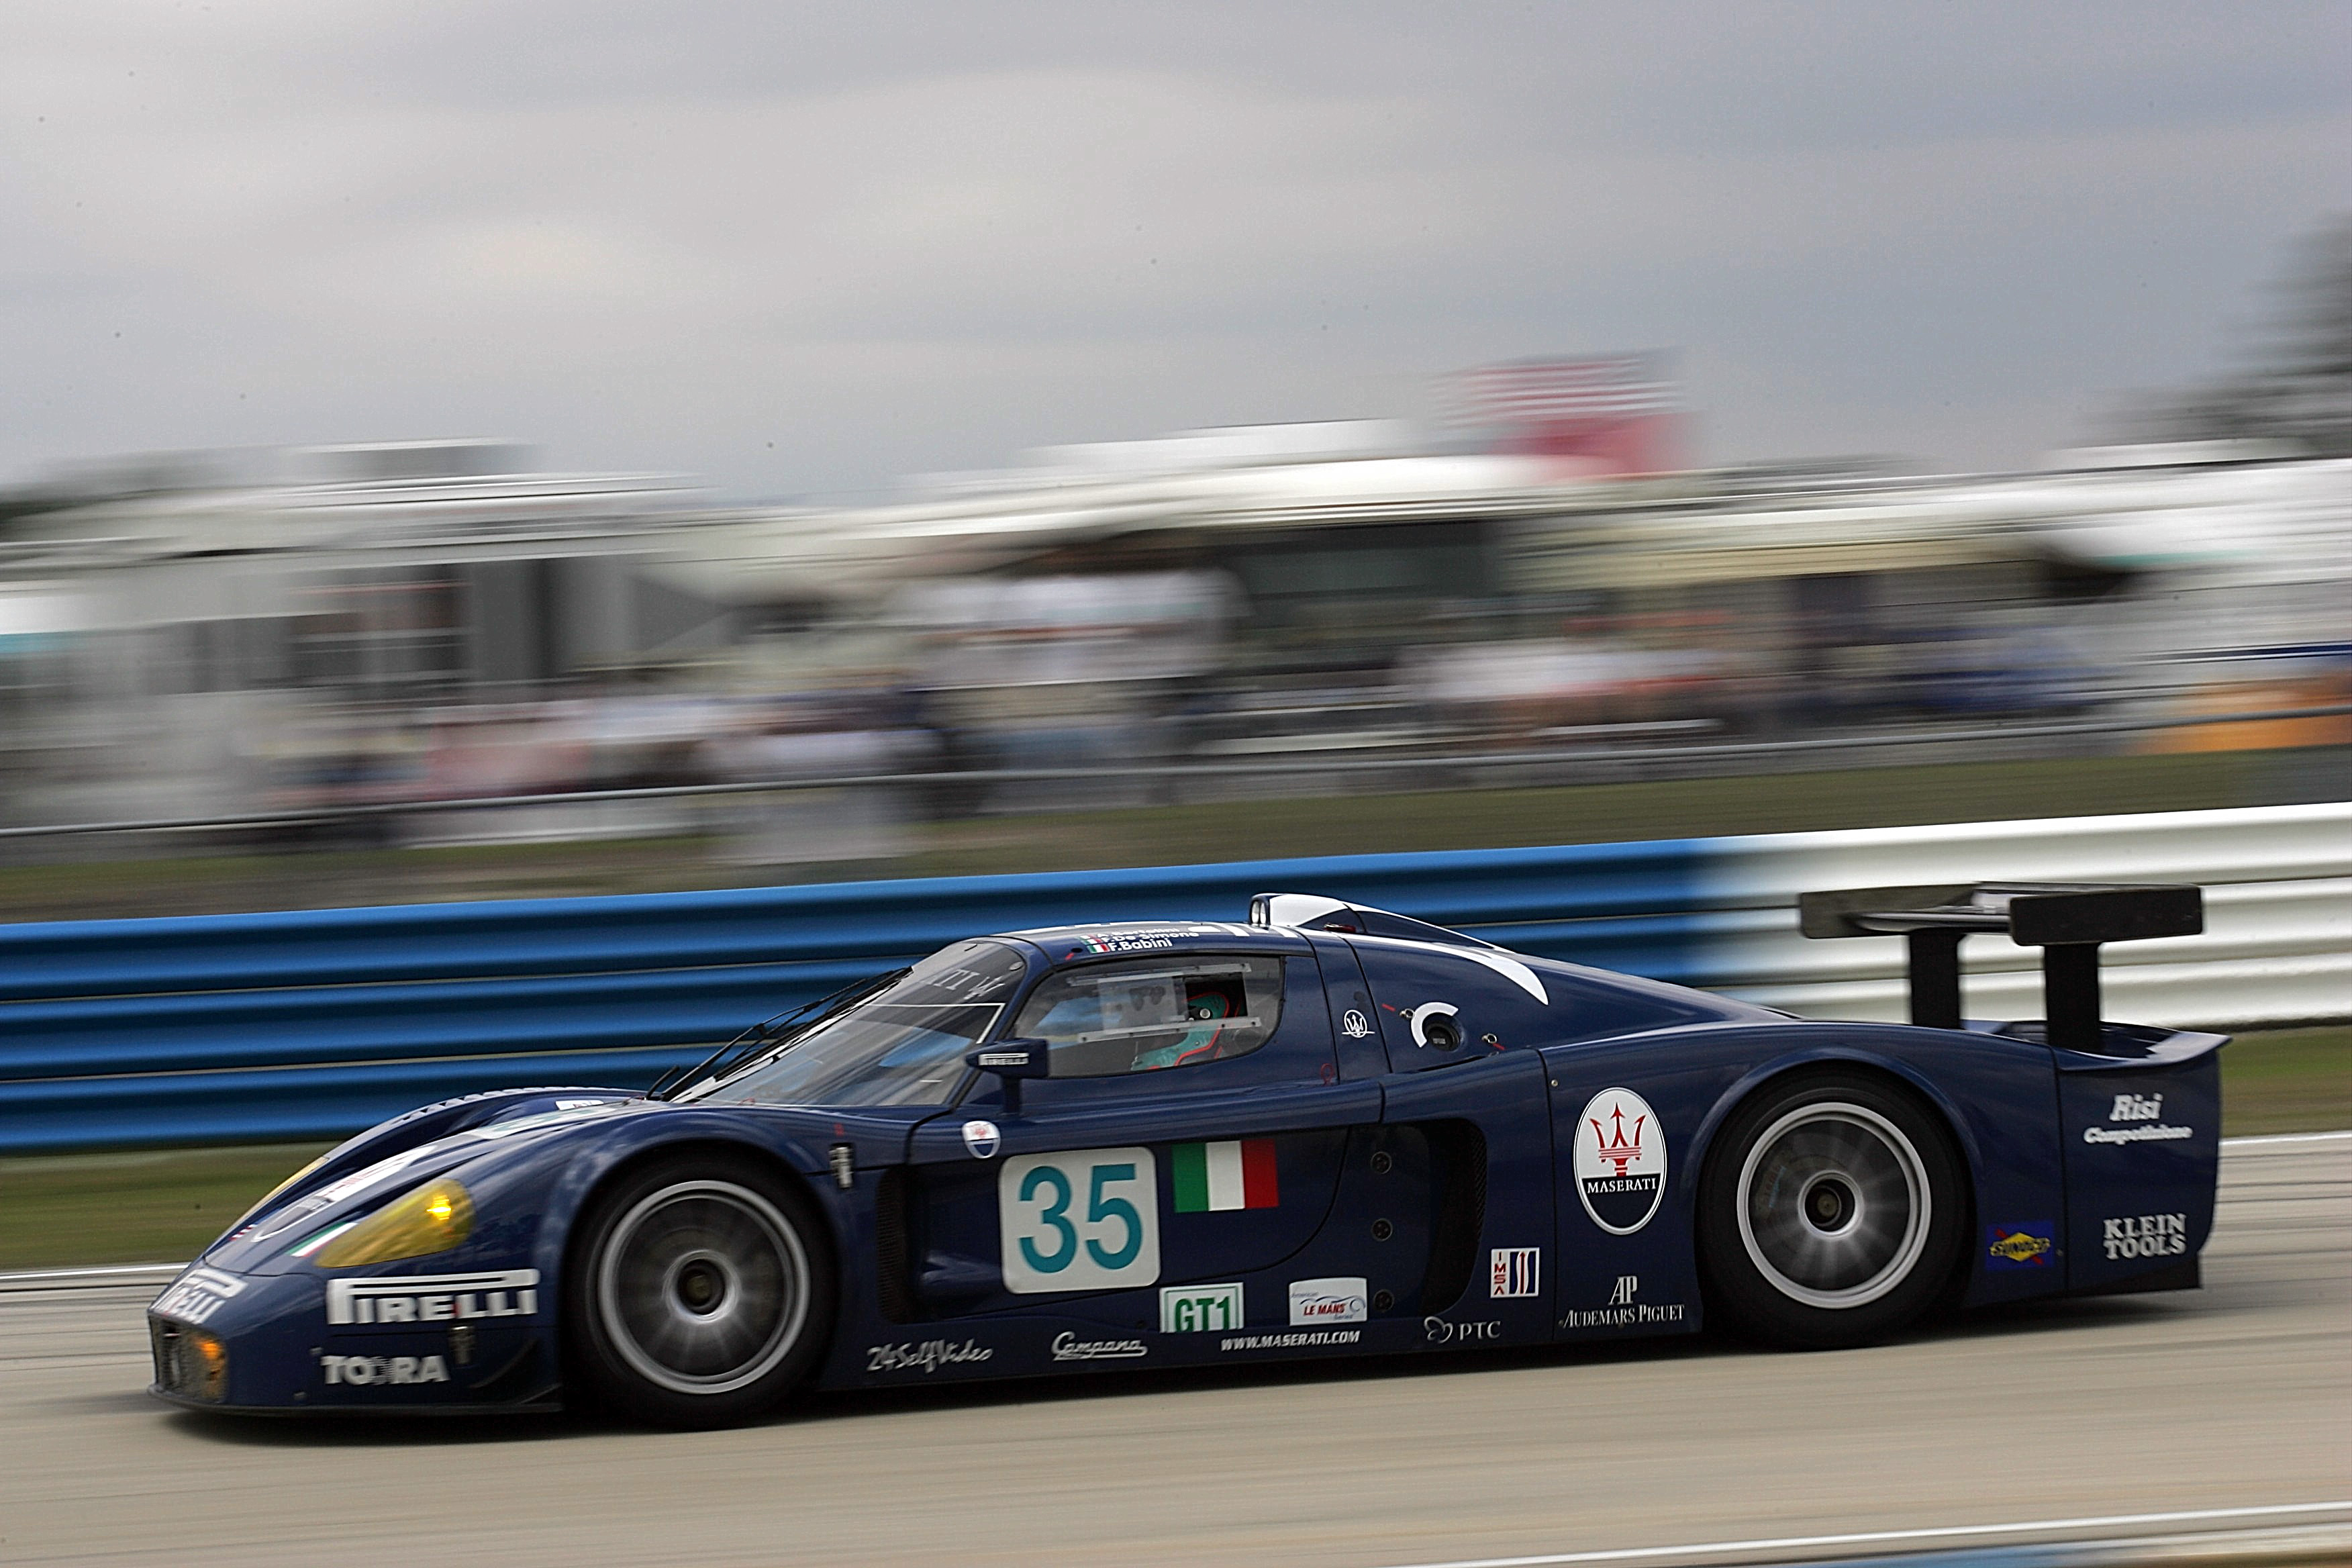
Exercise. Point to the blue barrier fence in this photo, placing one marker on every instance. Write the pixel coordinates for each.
(227, 1029)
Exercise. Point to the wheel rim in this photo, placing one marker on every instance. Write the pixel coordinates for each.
(1834, 1205)
(703, 1287)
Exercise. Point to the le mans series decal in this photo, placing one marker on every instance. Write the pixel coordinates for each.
(1330, 1301)
(1620, 1161)
(1086, 1220)
(2020, 1244)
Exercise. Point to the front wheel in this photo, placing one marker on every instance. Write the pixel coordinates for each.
(1832, 1212)
(700, 1292)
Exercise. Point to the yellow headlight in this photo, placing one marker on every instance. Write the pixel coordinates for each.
(435, 1218)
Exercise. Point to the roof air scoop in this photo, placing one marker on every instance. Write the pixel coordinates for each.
(1314, 911)
(2067, 920)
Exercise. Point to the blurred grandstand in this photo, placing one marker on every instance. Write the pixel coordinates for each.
(433, 621)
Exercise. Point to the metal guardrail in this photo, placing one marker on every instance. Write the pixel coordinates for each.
(1270, 767)
(259, 1027)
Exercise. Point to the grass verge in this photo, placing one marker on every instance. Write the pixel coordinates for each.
(162, 1205)
(1342, 824)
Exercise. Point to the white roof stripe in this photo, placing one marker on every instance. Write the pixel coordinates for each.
(1502, 964)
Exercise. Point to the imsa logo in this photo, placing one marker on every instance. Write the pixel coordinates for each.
(433, 1298)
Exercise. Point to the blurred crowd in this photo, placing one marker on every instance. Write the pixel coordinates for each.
(1275, 607)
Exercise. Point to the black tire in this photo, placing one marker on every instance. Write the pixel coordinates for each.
(700, 1292)
(1832, 1212)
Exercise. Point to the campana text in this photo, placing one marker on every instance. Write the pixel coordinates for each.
(1068, 1346)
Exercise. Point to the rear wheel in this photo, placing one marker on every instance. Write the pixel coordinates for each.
(1832, 1212)
(702, 1292)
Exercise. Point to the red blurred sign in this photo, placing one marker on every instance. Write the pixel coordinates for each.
(1620, 410)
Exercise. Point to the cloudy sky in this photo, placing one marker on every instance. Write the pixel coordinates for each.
(806, 249)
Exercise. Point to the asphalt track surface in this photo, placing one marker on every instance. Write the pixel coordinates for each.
(2239, 1395)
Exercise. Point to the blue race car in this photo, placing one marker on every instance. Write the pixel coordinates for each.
(1331, 1130)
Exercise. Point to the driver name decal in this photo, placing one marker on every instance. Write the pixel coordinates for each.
(1620, 1161)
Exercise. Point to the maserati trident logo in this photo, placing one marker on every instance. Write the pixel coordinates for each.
(1620, 1161)
(1612, 1144)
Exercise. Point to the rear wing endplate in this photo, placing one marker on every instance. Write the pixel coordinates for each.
(2067, 920)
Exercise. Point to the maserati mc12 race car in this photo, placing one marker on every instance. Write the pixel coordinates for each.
(1328, 1131)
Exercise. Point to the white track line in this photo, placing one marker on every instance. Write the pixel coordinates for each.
(2285, 1138)
(1878, 1537)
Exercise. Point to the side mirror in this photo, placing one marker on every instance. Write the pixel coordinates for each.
(1012, 1061)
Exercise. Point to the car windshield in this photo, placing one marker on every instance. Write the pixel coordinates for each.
(904, 1047)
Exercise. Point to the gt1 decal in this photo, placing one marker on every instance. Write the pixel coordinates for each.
(2022, 1244)
(1622, 1311)
(197, 1295)
(1335, 1300)
(433, 1298)
(1620, 1161)
(1355, 1026)
(1068, 1346)
(1278, 1342)
(364, 1371)
(1089, 1220)
(1514, 1271)
(981, 1139)
(1200, 1308)
(927, 1357)
(1438, 1331)
(2145, 1236)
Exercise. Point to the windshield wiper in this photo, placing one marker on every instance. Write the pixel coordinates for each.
(761, 1036)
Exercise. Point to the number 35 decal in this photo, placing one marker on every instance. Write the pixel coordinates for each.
(1082, 1221)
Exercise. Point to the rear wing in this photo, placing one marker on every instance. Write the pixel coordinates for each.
(2067, 920)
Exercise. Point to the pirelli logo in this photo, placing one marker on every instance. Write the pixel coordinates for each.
(433, 1298)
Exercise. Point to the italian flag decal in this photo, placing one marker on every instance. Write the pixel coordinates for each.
(1211, 1176)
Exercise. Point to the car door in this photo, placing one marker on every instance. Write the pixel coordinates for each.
(1186, 1147)
(1467, 1102)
